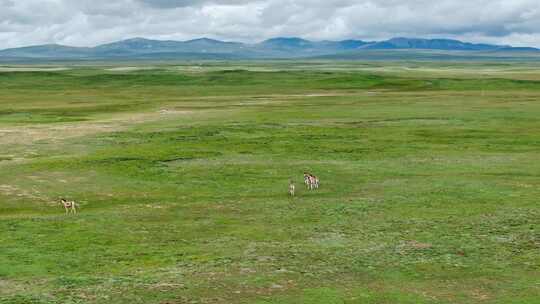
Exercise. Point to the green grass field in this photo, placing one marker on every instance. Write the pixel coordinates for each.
(430, 183)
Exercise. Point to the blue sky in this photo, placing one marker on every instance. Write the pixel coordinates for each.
(92, 22)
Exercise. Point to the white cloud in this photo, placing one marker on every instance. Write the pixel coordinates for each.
(88, 23)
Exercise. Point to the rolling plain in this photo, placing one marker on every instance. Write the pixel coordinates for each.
(430, 182)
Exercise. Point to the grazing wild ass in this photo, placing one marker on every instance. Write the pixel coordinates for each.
(291, 188)
(70, 206)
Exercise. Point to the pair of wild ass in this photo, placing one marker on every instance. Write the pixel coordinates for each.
(311, 181)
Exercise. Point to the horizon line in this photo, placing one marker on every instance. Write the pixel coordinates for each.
(262, 41)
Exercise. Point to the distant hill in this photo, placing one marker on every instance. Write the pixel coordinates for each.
(146, 46)
(275, 48)
(431, 44)
(47, 51)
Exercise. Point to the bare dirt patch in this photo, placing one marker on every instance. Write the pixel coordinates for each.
(22, 143)
(10, 190)
(26, 135)
(9, 287)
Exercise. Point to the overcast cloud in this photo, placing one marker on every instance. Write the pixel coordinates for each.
(92, 22)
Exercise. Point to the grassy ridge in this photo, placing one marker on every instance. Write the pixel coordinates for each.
(96, 93)
(429, 187)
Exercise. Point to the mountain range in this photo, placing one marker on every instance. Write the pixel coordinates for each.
(275, 48)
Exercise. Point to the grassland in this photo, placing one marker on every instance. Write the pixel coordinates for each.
(429, 183)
